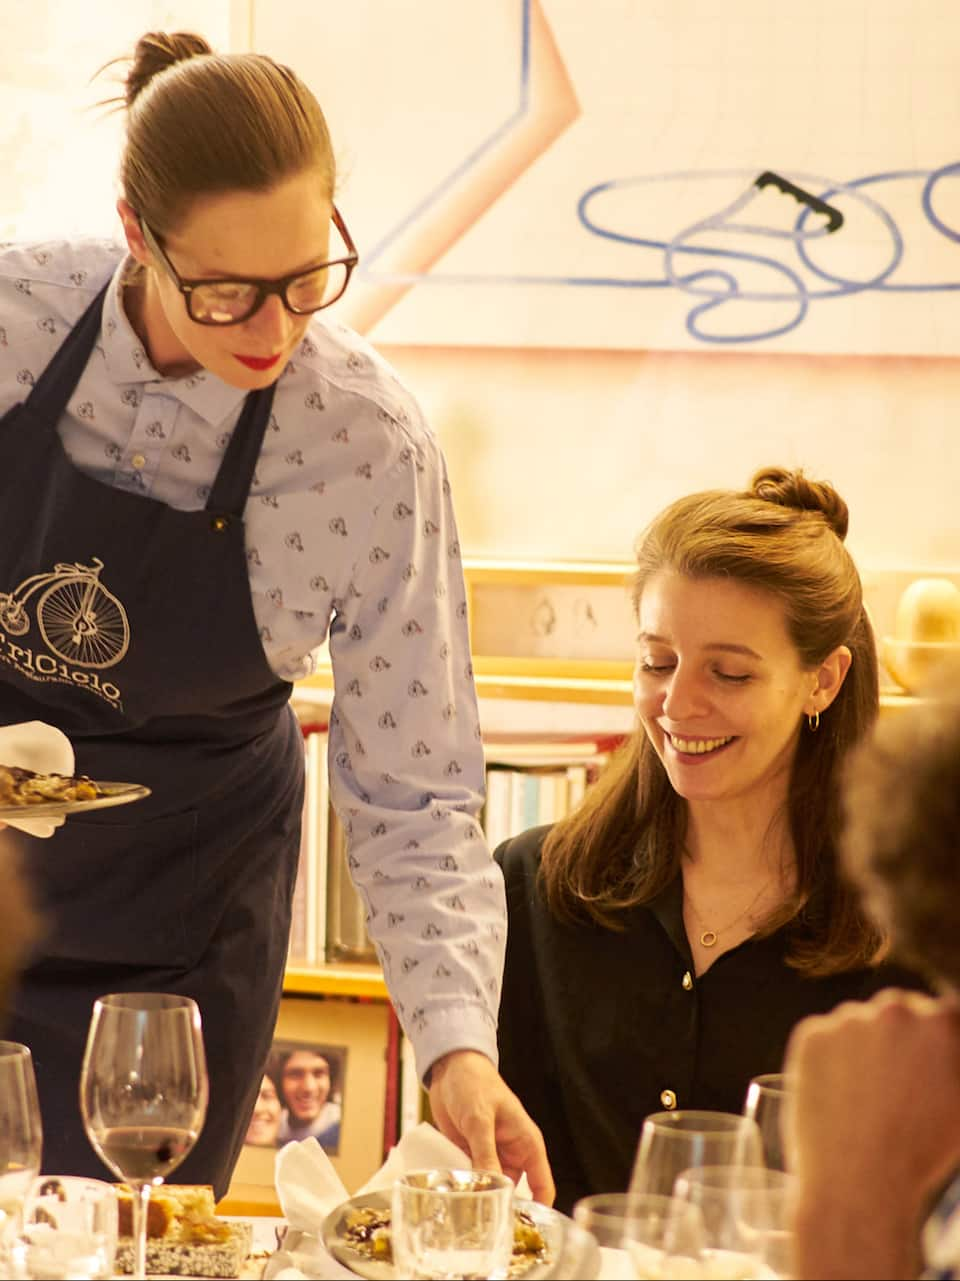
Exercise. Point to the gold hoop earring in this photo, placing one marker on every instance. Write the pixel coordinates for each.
(813, 722)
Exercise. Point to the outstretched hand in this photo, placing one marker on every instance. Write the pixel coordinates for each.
(474, 1108)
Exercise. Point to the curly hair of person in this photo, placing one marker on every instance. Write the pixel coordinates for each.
(901, 836)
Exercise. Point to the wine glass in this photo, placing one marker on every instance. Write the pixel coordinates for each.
(143, 1092)
(671, 1142)
(657, 1237)
(21, 1135)
(745, 1214)
(765, 1103)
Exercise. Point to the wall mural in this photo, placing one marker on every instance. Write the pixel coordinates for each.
(650, 175)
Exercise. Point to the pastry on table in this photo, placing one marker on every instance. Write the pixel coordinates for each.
(184, 1235)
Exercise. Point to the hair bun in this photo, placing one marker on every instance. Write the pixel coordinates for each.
(155, 52)
(793, 489)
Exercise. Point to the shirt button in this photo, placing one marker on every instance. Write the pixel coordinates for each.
(668, 1099)
(138, 461)
(687, 981)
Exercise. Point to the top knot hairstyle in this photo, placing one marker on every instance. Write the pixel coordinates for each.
(793, 489)
(200, 123)
(782, 536)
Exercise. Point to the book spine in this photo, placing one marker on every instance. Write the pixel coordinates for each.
(391, 1102)
(297, 952)
(496, 812)
(318, 811)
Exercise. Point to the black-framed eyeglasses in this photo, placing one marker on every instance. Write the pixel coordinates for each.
(231, 301)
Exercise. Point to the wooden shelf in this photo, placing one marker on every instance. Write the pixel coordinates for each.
(335, 980)
(570, 689)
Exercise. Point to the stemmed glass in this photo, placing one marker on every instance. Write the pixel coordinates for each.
(765, 1103)
(671, 1142)
(143, 1092)
(661, 1235)
(745, 1214)
(21, 1135)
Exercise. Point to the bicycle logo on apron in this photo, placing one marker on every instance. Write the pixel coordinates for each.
(80, 621)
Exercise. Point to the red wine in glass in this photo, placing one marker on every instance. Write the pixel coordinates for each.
(143, 1092)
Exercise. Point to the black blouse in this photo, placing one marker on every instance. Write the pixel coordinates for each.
(598, 1028)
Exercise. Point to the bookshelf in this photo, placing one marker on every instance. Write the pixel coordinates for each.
(359, 980)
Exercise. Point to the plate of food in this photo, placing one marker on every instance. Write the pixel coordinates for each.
(24, 793)
(357, 1234)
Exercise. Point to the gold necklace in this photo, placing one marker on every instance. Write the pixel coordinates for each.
(708, 938)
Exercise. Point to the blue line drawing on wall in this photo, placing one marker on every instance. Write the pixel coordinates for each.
(694, 260)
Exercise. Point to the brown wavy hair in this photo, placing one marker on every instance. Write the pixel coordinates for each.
(901, 812)
(201, 124)
(621, 847)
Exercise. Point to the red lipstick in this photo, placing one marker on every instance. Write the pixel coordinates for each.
(257, 362)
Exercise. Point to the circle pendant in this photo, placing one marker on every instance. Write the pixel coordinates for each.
(708, 938)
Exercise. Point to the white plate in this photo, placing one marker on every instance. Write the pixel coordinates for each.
(297, 1247)
(111, 794)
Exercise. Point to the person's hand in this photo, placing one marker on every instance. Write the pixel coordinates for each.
(872, 1130)
(473, 1107)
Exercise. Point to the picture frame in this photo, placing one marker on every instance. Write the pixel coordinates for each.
(351, 1034)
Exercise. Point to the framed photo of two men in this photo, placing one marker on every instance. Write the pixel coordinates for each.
(325, 1078)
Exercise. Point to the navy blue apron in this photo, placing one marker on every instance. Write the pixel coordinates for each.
(130, 626)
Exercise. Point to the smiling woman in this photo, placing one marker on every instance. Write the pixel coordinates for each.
(665, 938)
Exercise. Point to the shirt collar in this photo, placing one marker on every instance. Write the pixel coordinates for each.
(126, 361)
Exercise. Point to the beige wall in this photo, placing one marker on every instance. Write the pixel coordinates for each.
(554, 451)
(566, 450)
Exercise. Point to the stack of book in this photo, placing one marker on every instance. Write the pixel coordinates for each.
(538, 781)
(529, 782)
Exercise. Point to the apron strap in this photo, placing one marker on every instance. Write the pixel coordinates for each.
(228, 496)
(58, 381)
(49, 396)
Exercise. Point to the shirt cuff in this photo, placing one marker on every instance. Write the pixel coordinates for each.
(462, 1027)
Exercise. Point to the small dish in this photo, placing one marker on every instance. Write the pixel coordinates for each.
(558, 1232)
(110, 794)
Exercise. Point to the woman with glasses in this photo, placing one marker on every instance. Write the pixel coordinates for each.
(202, 478)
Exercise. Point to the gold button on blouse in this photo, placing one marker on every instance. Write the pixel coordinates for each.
(668, 1099)
(139, 461)
(687, 981)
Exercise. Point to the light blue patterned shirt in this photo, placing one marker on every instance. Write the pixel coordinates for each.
(350, 537)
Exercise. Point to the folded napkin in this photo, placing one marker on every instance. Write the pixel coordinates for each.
(45, 750)
(309, 1188)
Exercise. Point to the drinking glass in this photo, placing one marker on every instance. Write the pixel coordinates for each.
(765, 1103)
(744, 1210)
(143, 1092)
(21, 1137)
(452, 1224)
(657, 1237)
(69, 1230)
(671, 1142)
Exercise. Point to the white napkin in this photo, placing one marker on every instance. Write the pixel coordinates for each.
(309, 1187)
(43, 749)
